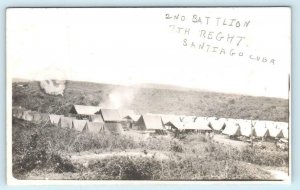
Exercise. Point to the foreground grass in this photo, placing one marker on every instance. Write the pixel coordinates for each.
(176, 168)
(42, 151)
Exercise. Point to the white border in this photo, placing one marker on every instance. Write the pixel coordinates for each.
(15, 182)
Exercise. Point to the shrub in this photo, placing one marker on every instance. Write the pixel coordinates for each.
(264, 157)
(127, 168)
(179, 167)
(31, 160)
(36, 148)
(60, 165)
(157, 143)
(176, 147)
(86, 141)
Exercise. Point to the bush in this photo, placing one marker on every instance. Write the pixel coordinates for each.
(176, 147)
(32, 159)
(263, 157)
(60, 165)
(86, 141)
(127, 168)
(179, 167)
(36, 148)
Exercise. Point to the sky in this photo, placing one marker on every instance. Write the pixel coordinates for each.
(132, 46)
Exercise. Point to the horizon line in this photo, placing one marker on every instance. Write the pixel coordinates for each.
(136, 85)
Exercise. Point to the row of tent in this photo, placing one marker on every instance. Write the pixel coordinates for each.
(227, 126)
(29, 115)
(114, 118)
(87, 126)
(100, 123)
(93, 125)
(262, 129)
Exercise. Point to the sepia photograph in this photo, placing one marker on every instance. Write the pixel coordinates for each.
(155, 94)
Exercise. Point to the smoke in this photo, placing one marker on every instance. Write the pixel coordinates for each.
(52, 80)
(53, 87)
(120, 98)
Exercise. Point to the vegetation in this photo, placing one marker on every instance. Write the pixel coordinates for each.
(39, 149)
(192, 157)
(179, 167)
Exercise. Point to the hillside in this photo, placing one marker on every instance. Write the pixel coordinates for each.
(154, 100)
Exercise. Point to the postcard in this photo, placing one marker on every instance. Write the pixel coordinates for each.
(166, 95)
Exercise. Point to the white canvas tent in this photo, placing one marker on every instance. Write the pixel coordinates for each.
(218, 124)
(273, 130)
(175, 125)
(96, 118)
(202, 121)
(211, 118)
(181, 117)
(231, 121)
(95, 128)
(84, 110)
(246, 127)
(202, 126)
(169, 118)
(114, 128)
(19, 113)
(27, 115)
(65, 122)
(246, 131)
(270, 124)
(37, 117)
(181, 126)
(276, 133)
(110, 115)
(41, 117)
(78, 125)
(128, 115)
(282, 125)
(45, 118)
(243, 122)
(285, 133)
(54, 119)
(259, 124)
(133, 118)
(16, 112)
(232, 129)
(189, 119)
(259, 131)
(150, 122)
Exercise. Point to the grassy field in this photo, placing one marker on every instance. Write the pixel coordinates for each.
(55, 153)
(154, 100)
